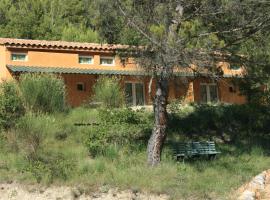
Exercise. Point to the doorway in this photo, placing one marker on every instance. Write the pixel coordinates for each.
(134, 94)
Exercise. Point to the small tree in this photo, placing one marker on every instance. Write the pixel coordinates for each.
(43, 92)
(256, 84)
(108, 92)
(189, 34)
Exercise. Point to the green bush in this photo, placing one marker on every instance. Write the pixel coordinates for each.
(50, 166)
(126, 115)
(118, 128)
(217, 120)
(107, 91)
(11, 104)
(43, 92)
(31, 131)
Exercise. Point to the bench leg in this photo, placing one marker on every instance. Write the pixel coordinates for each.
(212, 156)
(178, 158)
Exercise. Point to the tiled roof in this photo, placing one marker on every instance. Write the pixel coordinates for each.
(67, 70)
(11, 42)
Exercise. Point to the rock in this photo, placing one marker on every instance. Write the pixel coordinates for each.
(258, 181)
(135, 190)
(247, 195)
(76, 193)
(95, 195)
(253, 189)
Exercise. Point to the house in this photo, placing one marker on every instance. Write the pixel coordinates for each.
(81, 64)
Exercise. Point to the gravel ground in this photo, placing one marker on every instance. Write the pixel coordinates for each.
(15, 191)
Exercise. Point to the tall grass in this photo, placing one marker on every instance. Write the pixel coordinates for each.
(66, 160)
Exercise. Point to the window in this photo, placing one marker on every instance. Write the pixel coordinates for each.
(134, 93)
(208, 93)
(85, 59)
(235, 67)
(107, 61)
(19, 56)
(232, 89)
(80, 87)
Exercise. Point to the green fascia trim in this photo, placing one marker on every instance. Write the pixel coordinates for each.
(65, 70)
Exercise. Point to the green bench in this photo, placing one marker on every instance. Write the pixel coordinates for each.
(195, 149)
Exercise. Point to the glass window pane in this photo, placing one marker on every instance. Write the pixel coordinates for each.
(85, 60)
(19, 57)
(80, 87)
(107, 61)
(235, 67)
(139, 94)
(213, 93)
(128, 94)
(203, 94)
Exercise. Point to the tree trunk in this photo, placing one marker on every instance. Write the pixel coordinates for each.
(158, 136)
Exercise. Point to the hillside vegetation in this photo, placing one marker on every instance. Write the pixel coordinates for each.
(106, 148)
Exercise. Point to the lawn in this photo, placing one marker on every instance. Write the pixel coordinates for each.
(63, 158)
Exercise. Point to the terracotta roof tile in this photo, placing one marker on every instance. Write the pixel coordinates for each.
(65, 70)
(58, 44)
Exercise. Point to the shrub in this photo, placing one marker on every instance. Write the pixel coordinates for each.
(31, 131)
(107, 91)
(43, 92)
(126, 115)
(118, 128)
(11, 104)
(233, 120)
(175, 105)
(49, 166)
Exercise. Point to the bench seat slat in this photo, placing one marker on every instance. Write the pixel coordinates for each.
(190, 149)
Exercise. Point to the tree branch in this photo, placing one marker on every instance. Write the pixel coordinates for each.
(136, 26)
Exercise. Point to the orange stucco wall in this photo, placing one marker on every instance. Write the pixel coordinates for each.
(4, 73)
(74, 96)
(65, 59)
(224, 93)
(180, 87)
(185, 89)
(2, 63)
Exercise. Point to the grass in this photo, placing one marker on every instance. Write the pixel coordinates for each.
(125, 169)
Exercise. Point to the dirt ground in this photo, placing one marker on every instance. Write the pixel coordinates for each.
(15, 191)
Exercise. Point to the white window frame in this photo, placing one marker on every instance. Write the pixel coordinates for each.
(133, 83)
(208, 97)
(84, 56)
(17, 53)
(107, 57)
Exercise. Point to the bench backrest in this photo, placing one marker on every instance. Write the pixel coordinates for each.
(204, 147)
(185, 148)
(196, 147)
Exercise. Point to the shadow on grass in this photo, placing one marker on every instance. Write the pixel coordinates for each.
(241, 134)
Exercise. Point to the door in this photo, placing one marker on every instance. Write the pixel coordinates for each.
(128, 94)
(134, 93)
(208, 93)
